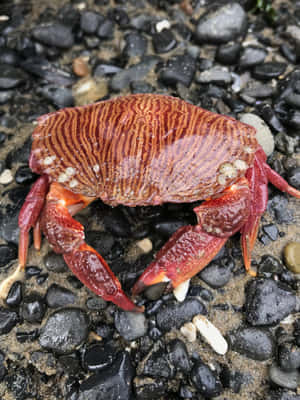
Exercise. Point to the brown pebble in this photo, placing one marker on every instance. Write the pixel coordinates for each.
(80, 66)
(292, 256)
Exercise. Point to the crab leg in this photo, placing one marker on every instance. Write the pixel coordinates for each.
(66, 235)
(191, 248)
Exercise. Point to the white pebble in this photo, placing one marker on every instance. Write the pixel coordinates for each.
(189, 331)
(263, 133)
(211, 334)
(161, 25)
(145, 245)
(181, 290)
(6, 177)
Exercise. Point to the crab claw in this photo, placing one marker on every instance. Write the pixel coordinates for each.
(188, 251)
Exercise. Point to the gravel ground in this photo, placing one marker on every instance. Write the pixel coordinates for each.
(58, 340)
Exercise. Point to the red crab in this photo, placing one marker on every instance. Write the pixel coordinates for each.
(138, 150)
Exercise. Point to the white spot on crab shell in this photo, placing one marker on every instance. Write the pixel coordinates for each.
(211, 334)
(49, 160)
(240, 164)
(63, 177)
(70, 171)
(181, 290)
(228, 170)
(96, 168)
(73, 183)
(222, 179)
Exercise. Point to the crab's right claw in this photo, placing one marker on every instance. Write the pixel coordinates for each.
(186, 253)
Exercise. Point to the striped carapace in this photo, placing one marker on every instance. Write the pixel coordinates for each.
(141, 150)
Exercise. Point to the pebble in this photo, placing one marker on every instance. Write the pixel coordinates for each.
(145, 245)
(80, 66)
(270, 265)
(158, 365)
(8, 253)
(130, 325)
(89, 21)
(45, 363)
(218, 75)
(15, 294)
(206, 381)
(106, 29)
(228, 53)
(263, 133)
(269, 70)
(211, 334)
(232, 379)
(58, 296)
(178, 69)
(88, 90)
(268, 302)
(278, 207)
(33, 308)
(55, 263)
(9, 56)
(54, 34)
(105, 68)
(98, 356)
(166, 227)
(24, 175)
(10, 77)
(288, 356)
(293, 177)
(120, 16)
(218, 273)
(96, 303)
(164, 41)
(147, 388)
(288, 380)
(175, 315)
(59, 96)
(255, 343)
(8, 319)
(6, 177)
(226, 23)
(271, 231)
(136, 45)
(258, 91)
(178, 356)
(65, 330)
(113, 382)
(251, 56)
(136, 72)
(102, 242)
(291, 254)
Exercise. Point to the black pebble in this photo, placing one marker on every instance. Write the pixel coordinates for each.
(179, 69)
(99, 356)
(164, 41)
(178, 355)
(271, 230)
(269, 70)
(58, 296)
(54, 34)
(14, 296)
(8, 253)
(293, 177)
(90, 21)
(24, 175)
(228, 53)
(33, 308)
(206, 381)
(55, 262)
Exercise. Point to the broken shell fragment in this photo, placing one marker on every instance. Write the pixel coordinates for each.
(181, 290)
(211, 334)
(189, 331)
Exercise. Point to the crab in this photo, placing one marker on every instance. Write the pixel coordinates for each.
(141, 150)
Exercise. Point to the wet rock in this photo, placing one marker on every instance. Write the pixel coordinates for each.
(98, 356)
(42, 68)
(88, 90)
(100, 241)
(164, 41)
(206, 381)
(215, 75)
(147, 388)
(228, 53)
(174, 315)
(136, 72)
(58, 96)
(268, 302)
(65, 330)
(166, 227)
(33, 308)
(179, 69)
(19, 155)
(269, 70)
(28, 336)
(106, 29)
(105, 68)
(54, 34)
(232, 379)
(110, 383)
(19, 383)
(289, 356)
(222, 25)
(120, 16)
(251, 56)
(258, 91)
(9, 56)
(178, 356)
(6, 96)
(8, 319)
(271, 231)
(157, 365)
(270, 265)
(284, 379)
(255, 343)
(8, 253)
(43, 362)
(96, 303)
(293, 177)
(58, 296)
(15, 295)
(89, 21)
(136, 45)
(130, 325)
(218, 273)
(10, 77)
(55, 263)
(278, 207)
(24, 175)
(292, 256)
(200, 291)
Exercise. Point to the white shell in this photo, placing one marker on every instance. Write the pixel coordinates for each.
(181, 290)
(211, 334)
(189, 331)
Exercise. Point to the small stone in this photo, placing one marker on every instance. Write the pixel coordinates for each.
(164, 41)
(269, 70)
(255, 343)
(55, 263)
(59, 96)
(145, 245)
(178, 355)
(218, 273)
(263, 133)
(90, 21)
(10, 77)
(166, 227)
(206, 381)
(54, 34)
(251, 56)
(88, 90)
(15, 295)
(284, 379)
(65, 330)
(33, 308)
(44, 362)
(6, 177)
(98, 356)
(271, 231)
(216, 75)
(58, 296)
(8, 253)
(80, 66)
(222, 25)
(24, 176)
(8, 319)
(96, 303)
(293, 177)
(130, 325)
(179, 69)
(288, 356)
(106, 29)
(211, 334)
(292, 256)
(228, 53)
(157, 364)
(189, 331)
(136, 45)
